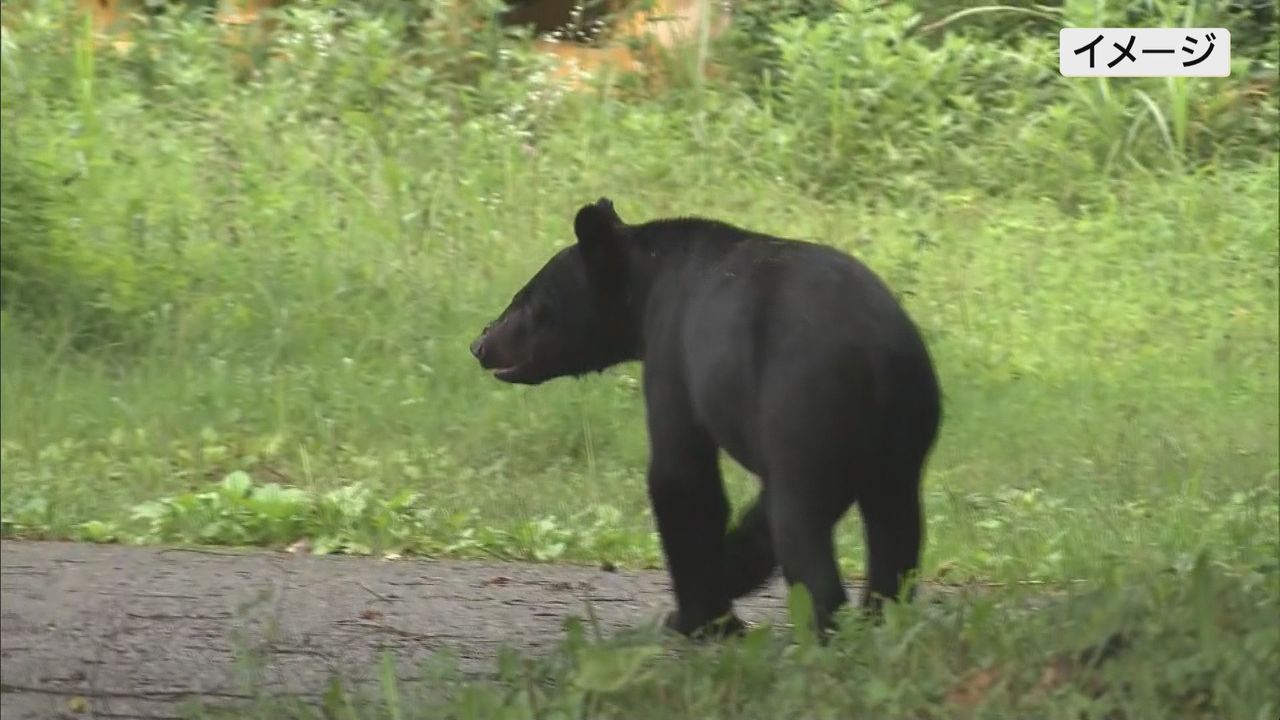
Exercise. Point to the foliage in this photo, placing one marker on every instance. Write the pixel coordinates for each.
(1087, 654)
(24, 207)
(348, 519)
(881, 106)
(1008, 533)
(856, 100)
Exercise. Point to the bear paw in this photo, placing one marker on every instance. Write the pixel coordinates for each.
(727, 626)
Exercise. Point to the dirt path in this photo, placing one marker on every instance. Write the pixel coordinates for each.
(135, 631)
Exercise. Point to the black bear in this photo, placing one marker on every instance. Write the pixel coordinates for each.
(792, 357)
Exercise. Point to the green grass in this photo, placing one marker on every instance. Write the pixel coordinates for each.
(1195, 643)
(239, 313)
(1110, 382)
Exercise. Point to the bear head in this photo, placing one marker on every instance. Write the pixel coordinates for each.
(572, 317)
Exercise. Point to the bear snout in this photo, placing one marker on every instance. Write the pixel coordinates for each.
(492, 351)
(478, 349)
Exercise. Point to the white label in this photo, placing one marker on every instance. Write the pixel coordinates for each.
(1144, 52)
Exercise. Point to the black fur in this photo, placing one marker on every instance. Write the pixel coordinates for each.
(792, 357)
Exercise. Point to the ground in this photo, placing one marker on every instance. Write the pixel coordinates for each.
(130, 632)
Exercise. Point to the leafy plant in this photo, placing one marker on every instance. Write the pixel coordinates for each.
(1198, 643)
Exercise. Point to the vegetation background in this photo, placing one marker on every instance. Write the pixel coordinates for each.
(239, 282)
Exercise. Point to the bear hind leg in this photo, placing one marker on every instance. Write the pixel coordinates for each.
(893, 524)
(802, 526)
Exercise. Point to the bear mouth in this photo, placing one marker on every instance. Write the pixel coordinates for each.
(505, 373)
(516, 375)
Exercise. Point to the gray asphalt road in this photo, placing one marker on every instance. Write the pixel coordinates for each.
(119, 632)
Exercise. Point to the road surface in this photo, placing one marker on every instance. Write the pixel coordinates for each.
(109, 631)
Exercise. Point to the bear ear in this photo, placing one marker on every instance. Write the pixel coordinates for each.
(597, 224)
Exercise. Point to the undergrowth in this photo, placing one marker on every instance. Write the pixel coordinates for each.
(1005, 653)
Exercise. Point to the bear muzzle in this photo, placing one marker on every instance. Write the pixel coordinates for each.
(503, 368)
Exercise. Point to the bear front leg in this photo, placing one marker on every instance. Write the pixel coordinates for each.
(692, 512)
